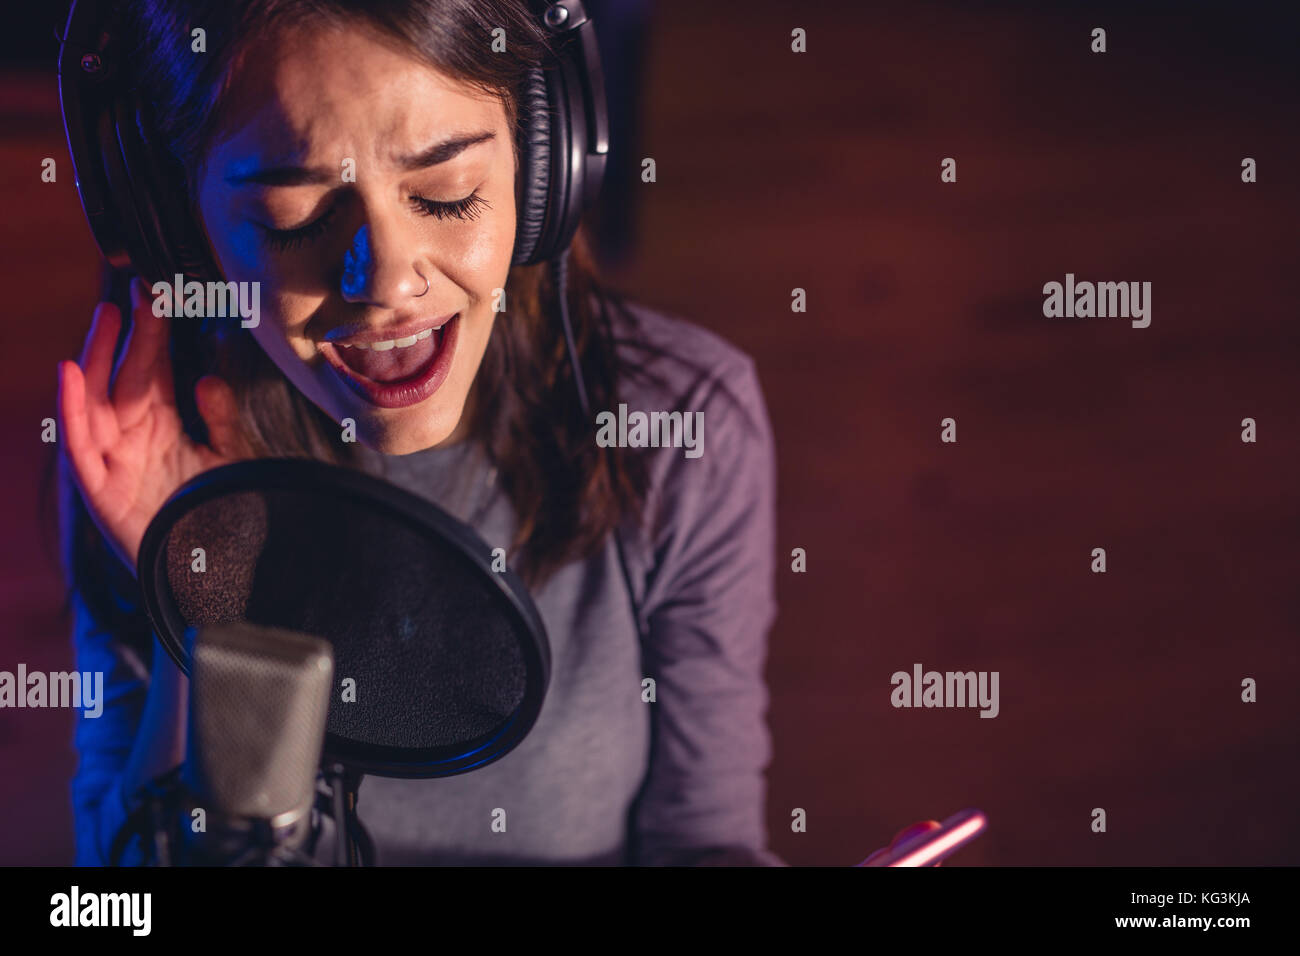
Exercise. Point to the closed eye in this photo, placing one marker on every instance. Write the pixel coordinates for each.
(284, 239)
(468, 208)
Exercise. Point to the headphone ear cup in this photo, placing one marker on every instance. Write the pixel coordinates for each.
(185, 247)
(149, 258)
(158, 190)
(534, 167)
(87, 75)
(117, 227)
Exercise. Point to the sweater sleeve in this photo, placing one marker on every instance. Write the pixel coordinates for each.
(709, 603)
(104, 742)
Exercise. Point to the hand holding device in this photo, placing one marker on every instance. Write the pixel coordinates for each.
(929, 842)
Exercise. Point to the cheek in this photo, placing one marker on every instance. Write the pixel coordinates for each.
(236, 249)
(481, 262)
(281, 332)
(241, 250)
(243, 255)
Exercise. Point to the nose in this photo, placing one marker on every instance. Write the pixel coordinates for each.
(380, 270)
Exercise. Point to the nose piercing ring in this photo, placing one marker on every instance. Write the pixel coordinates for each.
(426, 282)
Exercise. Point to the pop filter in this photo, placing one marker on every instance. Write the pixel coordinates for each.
(440, 663)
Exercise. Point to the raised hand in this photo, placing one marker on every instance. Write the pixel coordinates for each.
(122, 434)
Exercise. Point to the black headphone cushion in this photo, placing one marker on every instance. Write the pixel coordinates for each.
(534, 165)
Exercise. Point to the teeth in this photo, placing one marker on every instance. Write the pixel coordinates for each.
(402, 343)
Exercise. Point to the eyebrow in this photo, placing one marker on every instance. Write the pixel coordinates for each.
(286, 175)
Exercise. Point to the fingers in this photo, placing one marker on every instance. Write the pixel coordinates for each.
(144, 376)
(220, 411)
(97, 354)
(901, 837)
(85, 458)
(141, 298)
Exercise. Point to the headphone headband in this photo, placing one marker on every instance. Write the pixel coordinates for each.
(134, 195)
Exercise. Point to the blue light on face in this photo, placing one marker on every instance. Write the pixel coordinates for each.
(356, 263)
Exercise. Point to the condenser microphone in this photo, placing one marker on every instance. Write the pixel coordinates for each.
(244, 796)
(258, 702)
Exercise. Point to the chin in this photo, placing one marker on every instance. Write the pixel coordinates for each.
(408, 432)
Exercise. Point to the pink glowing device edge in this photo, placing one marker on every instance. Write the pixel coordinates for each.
(927, 849)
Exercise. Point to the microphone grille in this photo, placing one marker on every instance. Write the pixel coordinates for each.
(259, 698)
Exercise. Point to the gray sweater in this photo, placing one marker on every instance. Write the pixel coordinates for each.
(603, 777)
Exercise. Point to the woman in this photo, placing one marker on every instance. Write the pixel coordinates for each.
(367, 282)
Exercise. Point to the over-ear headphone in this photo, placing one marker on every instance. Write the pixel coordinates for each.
(134, 195)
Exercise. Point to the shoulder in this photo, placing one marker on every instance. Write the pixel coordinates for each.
(671, 364)
(727, 488)
(706, 541)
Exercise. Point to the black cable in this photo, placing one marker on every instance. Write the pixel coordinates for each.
(560, 272)
(560, 266)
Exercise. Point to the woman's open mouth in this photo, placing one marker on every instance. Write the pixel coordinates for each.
(396, 373)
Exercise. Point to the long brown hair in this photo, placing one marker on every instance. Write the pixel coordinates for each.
(567, 494)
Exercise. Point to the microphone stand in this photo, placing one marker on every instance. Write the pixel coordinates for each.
(158, 809)
(352, 843)
(162, 801)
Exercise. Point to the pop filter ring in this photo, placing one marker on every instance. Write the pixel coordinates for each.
(292, 475)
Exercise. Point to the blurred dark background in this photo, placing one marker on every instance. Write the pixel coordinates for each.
(821, 171)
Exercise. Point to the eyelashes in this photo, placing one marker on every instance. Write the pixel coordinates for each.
(284, 239)
(468, 209)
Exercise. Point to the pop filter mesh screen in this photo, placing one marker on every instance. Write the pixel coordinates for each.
(428, 640)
